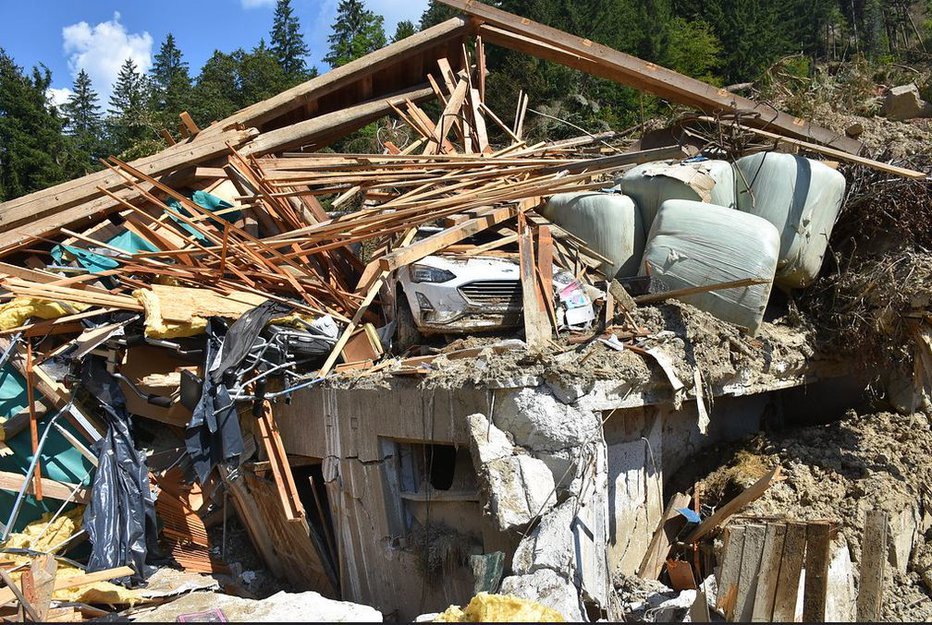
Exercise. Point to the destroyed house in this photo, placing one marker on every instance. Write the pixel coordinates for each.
(246, 323)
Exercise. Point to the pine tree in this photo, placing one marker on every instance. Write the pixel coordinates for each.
(217, 93)
(403, 29)
(84, 120)
(129, 117)
(288, 43)
(356, 32)
(436, 13)
(259, 75)
(34, 153)
(170, 84)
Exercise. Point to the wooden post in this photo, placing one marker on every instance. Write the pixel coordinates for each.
(818, 547)
(536, 322)
(873, 564)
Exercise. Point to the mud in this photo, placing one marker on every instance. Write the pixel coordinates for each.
(838, 472)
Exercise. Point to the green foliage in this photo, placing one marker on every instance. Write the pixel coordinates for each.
(130, 119)
(84, 121)
(260, 75)
(170, 84)
(288, 44)
(693, 49)
(403, 29)
(436, 13)
(34, 152)
(216, 92)
(357, 31)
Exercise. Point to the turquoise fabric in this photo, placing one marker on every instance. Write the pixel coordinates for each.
(59, 460)
(131, 242)
(206, 201)
(95, 263)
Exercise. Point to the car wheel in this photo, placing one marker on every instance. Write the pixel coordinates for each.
(406, 332)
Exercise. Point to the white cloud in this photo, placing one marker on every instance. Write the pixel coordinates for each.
(256, 4)
(101, 49)
(58, 97)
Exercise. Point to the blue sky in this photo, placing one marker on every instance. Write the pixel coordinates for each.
(98, 35)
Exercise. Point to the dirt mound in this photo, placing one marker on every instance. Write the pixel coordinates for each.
(838, 472)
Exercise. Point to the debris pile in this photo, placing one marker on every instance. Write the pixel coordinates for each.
(159, 317)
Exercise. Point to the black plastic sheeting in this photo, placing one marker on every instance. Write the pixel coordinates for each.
(120, 517)
(213, 435)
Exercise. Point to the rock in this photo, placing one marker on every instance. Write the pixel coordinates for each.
(550, 545)
(518, 488)
(282, 607)
(487, 442)
(541, 422)
(547, 588)
(927, 579)
(903, 532)
(903, 103)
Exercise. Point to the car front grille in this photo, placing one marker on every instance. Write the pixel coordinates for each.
(492, 292)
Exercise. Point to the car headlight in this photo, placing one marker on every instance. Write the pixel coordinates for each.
(425, 273)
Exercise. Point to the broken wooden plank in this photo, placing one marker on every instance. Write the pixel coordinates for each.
(730, 570)
(818, 558)
(38, 584)
(873, 565)
(754, 536)
(656, 554)
(435, 243)
(791, 566)
(725, 512)
(318, 130)
(12, 587)
(537, 328)
(50, 488)
(886, 168)
(653, 298)
(512, 31)
(769, 573)
(281, 470)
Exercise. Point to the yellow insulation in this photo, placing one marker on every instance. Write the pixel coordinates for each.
(486, 608)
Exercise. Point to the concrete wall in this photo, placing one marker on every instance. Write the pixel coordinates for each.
(608, 446)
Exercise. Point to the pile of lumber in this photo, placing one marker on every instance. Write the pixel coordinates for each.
(250, 210)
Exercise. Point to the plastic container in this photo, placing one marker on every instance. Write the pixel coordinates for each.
(609, 223)
(799, 196)
(695, 244)
(652, 184)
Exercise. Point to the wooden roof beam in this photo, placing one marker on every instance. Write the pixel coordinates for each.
(521, 34)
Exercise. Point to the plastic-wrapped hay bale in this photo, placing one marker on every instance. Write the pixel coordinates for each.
(652, 184)
(696, 244)
(609, 223)
(799, 196)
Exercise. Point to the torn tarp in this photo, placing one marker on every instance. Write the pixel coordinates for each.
(120, 518)
(213, 434)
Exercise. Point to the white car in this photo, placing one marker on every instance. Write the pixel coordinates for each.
(456, 295)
